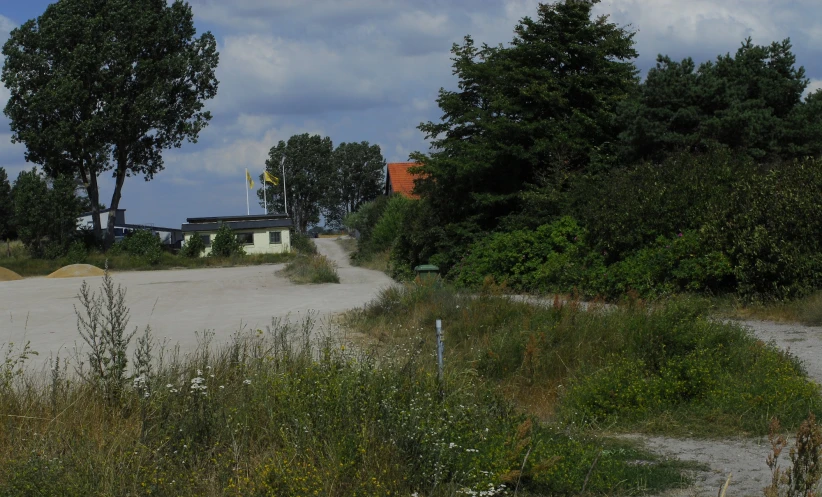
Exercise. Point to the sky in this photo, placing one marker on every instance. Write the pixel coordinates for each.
(370, 70)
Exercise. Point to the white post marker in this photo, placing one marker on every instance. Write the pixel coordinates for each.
(439, 350)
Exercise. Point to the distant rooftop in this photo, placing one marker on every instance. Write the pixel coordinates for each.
(253, 217)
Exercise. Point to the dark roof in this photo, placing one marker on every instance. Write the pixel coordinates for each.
(228, 219)
(147, 227)
(277, 222)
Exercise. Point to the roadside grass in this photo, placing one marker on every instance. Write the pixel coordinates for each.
(658, 368)
(377, 261)
(807, 310)
(276, 412)
(311, 269)
(24, 265)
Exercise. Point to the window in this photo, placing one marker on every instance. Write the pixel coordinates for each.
(206, 240)
(245, 238)
(275, 237)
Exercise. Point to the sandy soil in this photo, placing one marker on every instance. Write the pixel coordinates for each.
(77, 271)
(178, 303)
(9, 275)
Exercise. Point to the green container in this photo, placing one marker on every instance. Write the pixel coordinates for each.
(427, 272)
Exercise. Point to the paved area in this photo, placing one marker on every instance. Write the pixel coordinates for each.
(178, 303)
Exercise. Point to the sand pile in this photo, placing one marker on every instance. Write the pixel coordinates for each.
(7, 275)
(77, 271)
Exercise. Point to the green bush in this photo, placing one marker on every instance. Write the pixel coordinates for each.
(553, 258)
(193, 247)
(143, 244)
(366, 217)
(77, 253)
(676, 264)
(302, 244)
(225, 243)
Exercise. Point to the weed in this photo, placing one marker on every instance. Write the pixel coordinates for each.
(311, 269)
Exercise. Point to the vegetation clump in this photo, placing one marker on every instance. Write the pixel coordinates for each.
(193, 247)
(225, 243)
(657, 368)
(312, 269)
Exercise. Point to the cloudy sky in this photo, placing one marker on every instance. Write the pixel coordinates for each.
(370, 70)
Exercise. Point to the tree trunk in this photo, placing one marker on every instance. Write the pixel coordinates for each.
(89, 177)
(120, 178)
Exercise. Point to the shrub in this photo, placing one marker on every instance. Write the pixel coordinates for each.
(140, 243)
(225, 243)
(193, 247)
(312, 269)
(680, 263)
(366, 217)
(553, 257)
(302, 244)
(77, 253)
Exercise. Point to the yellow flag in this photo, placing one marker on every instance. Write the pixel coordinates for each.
(271, 179)
(250, 181)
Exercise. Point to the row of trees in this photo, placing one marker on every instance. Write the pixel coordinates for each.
(40, 211)
(543, 128)
(321, 180)
(104, 86)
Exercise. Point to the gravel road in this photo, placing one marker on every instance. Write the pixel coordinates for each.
(177, 303)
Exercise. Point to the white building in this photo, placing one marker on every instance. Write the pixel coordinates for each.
(264, 234)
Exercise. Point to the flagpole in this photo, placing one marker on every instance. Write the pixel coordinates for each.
(247, 208)
(265, 196)
(285, 193)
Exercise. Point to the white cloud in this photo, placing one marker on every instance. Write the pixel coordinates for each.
(814, 86)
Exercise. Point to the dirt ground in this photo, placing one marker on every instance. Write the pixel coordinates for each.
(178, 303)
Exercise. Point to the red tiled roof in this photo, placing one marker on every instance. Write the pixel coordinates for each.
(400, 180)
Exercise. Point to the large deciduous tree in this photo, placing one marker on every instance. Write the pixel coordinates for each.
(751, 103)
(306, 161)
(543, 105)
(100, 85)
(358, 171)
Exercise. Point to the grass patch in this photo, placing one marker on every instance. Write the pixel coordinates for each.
(377, 261)
(275, 413)
(311, 269)
(665, 368)
(807, 310)
(26, 266)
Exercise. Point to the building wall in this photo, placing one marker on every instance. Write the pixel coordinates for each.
(261, 244)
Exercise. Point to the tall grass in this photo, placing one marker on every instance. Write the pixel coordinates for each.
(661, 368)
(806, 310)
(313, 269)
(281, 413)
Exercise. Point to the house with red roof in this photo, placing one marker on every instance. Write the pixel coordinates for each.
(400, 180)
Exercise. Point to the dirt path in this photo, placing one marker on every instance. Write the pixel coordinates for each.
(743, 458)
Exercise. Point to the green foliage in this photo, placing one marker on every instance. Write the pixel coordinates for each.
(302, 244)
(682, 263)
(659, 368)
(143, 244)
(540, 106)
(750, 102)
(552, 258)
(270, 414)
(118, 82)
(46, 215)
(390, 224)
(358, 178)
(193, 247)
(77, 253)
(313, 269)
(7, 227)
(378, 223)
(225, 243)
(307, 160)
(366, 217)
